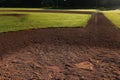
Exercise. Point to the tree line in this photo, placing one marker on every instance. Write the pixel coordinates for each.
(59, 3)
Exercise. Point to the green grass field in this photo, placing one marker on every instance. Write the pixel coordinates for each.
(113, 16)
(21, 8)
(91, 10)
(41, 20)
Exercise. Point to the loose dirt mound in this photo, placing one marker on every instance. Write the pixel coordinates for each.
(91, 53)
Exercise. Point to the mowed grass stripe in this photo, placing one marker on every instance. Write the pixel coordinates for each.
(33, 20)
(113, 16)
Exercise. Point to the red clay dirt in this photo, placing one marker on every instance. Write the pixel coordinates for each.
(91, 53)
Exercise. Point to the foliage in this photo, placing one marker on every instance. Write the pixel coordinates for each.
(59, 3)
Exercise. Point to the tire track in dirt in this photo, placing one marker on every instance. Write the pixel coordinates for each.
(103, 32)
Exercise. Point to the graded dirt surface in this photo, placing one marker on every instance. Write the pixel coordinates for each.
(90, 53)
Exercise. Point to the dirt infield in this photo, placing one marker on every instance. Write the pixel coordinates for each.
(91, 53)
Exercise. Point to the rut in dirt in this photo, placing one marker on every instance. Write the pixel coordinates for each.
(102, 32)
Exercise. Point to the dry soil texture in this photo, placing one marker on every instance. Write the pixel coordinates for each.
(91, 53)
